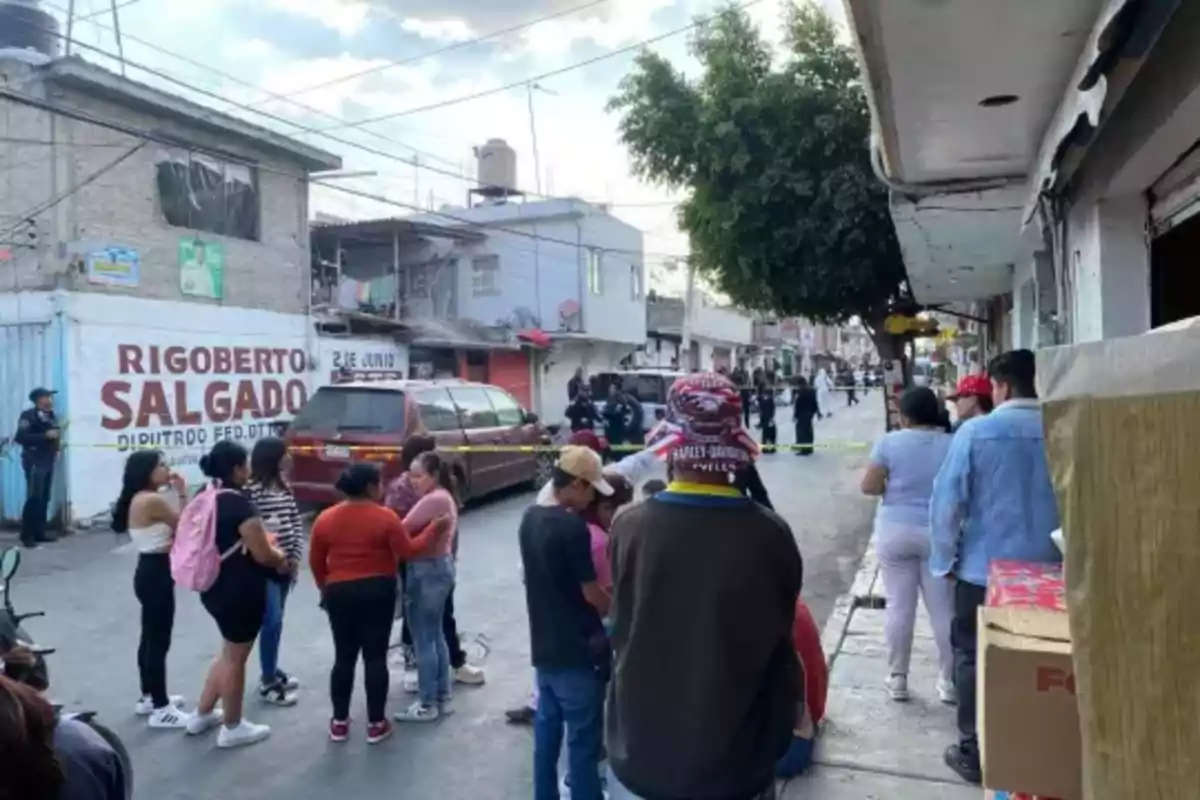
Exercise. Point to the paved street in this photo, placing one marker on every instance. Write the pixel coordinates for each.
(84, 585)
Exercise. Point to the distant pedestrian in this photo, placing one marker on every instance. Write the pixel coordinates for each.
(353, 552)
(972, 398)
(237, 601)
(148, 510)
(741, 379)
(824, 387)
(704, 695)
(581, 413)
(992, 500)
(636, 433)
(851, 389)
(577, 383)
(616, 417)
(766, 417)
(569, 647)
(40, 437)
(804, 408)
(272, 496)
(900, 471)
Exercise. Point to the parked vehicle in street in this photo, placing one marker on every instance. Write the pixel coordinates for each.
(648, 385)
(24, 661)
(369, 421)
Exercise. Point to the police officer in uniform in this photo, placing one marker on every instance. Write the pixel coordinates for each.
(38, 433)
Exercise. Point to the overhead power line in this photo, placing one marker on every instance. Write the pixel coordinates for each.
(534, 78)
(448, 48)
(165, 76)
(145, 136)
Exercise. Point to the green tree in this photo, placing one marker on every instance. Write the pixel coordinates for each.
(784, 213)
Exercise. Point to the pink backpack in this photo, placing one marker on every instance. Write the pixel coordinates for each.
(195, 559)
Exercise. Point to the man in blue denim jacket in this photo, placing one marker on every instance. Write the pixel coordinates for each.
(992, 499)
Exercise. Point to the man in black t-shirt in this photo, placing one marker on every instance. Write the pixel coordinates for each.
(569, 649)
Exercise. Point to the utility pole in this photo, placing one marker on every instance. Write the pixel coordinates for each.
(417, 181)
(116, 18)
(70, 26)
(537, 181)
(689, 299)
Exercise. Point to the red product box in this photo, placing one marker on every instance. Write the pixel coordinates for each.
(1026, 584)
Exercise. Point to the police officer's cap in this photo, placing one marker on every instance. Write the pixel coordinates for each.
(41, 392)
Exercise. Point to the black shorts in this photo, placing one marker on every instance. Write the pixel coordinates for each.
(237, 601)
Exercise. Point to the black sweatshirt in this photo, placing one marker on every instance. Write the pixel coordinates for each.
(705, 682)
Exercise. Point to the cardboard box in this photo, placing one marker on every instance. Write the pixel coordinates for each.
(1028, 718)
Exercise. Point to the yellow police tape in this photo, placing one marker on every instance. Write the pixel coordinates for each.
(481, 448)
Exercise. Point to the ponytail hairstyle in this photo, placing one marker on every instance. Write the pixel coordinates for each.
(223, 462)
(138, 468)
(922, 408)
(357, 480)
(440, 469)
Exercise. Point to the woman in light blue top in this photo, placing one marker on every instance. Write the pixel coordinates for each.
(902, 467)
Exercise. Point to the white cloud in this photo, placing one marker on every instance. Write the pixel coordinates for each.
(579, 151)
(441, 30)
(344, 16)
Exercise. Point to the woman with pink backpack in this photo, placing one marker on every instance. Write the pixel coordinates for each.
(222, 551)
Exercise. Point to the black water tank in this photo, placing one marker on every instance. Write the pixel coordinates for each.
(25, 26)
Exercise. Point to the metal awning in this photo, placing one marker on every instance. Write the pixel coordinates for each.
(1116, 49)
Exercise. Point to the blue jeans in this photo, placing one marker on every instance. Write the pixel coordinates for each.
(797, 759)
(574, 698)
(427, 588)
(272, 630)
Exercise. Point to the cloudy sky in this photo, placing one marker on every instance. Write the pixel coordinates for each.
(337, 62)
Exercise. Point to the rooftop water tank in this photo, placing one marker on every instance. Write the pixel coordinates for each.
(24, 26)
(497, 167)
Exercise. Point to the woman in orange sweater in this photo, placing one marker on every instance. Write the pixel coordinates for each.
(353, 553)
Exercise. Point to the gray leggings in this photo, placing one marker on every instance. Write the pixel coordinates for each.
(904, 557)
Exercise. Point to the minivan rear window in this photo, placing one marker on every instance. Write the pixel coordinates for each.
(646, 387)
(335, 408)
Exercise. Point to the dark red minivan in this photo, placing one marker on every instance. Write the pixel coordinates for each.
(369, 421)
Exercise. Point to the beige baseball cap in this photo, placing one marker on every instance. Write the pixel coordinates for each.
(583, 462)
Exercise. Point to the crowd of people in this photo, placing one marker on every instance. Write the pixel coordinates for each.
(674, 660)
(952, 499)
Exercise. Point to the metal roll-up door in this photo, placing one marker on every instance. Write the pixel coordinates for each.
(1175, 197)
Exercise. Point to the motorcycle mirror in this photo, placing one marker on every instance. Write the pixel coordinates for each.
(9, 561)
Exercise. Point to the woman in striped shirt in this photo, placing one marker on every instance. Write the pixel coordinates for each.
(276, 504)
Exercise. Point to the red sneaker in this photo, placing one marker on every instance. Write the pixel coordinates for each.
(378, 731)
(339, 731)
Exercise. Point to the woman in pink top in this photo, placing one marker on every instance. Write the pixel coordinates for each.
(427, 586)
(599, 516)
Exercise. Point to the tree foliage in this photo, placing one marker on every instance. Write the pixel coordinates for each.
(784, 213)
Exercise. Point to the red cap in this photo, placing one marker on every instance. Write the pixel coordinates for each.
(972, 386)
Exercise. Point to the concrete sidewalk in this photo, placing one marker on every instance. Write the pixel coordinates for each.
(870, 747)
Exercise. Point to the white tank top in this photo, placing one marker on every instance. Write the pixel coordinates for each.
(154, 538)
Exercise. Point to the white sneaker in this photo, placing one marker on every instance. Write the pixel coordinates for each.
(411, 684)
(198, 723)
(898, 688)
(470, 675)
(246, 733)
(418, 713)
(168, 717)
(145, 706)
(947, 692)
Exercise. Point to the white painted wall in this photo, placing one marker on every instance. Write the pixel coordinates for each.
(721, 324)
(181, 376)
(1110, 269)
(543, 251)
(559, 367)
(658, 353)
